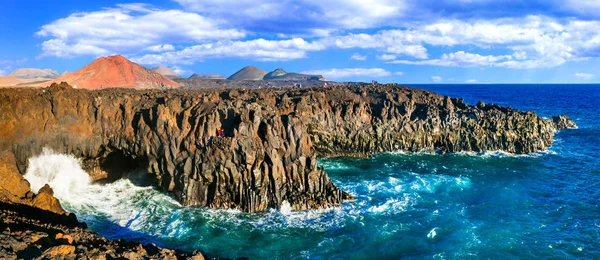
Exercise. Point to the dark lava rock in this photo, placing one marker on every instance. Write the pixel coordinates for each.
(31, 233)
(272, 137)
(563, 122)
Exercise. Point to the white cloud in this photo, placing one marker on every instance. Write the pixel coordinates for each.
(399, 73)
(127, 28)
(208, 30)
(460, 59)
(357, 56)
(386, 57)
(583, 76)
(587, 7)
(350, 72)
(471, 81)
(393, 42)
(529, 42)
(160, 48)
(436, 79)
(260, 49)
(306, 14)
(180, 71)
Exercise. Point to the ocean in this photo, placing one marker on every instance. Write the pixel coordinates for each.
(408, 205)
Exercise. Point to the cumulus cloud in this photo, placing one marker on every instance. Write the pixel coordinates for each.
(399, 73)
(260, 49)
(436, 79)
(357, 56)
(460, 59)
(350, 72)
(305, 15)
(206, 29)
(386, 57)
(127, 28)
(583, 76)
(180, 71)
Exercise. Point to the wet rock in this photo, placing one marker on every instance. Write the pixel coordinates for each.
(563, 122)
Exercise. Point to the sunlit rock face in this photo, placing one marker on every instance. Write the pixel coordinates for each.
(271, 141)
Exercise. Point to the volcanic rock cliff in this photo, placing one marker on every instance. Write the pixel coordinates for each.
(271, 141)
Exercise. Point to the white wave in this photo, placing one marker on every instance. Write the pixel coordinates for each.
(503, 154)
(392, 205)
(486, 154)
(146, 209)
(286, 208)
(62, 172)
(432, 233)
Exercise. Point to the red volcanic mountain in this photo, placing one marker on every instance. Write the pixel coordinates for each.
(112, 72)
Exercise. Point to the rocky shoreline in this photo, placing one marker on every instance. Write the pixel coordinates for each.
(271, 141)
(266, 156)
(31, 233)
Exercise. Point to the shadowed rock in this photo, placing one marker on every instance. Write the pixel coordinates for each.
(272, 136)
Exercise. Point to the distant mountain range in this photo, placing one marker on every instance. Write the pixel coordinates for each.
(254, 73)
(117, 71)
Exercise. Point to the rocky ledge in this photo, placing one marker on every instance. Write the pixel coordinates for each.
(30, 233)
(271, 141)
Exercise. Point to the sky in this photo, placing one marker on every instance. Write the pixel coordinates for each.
(403, 41)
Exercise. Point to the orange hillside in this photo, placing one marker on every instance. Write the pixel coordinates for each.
(115, 71)
(9, 81)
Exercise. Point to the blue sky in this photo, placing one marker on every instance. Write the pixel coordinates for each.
(404, 41)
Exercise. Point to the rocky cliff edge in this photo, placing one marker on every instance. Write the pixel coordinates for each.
(271, 141)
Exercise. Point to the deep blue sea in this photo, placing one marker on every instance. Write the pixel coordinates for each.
(414, 206)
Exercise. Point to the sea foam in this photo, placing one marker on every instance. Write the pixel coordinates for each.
(62, 172)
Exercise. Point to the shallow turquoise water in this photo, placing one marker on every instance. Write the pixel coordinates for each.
(490, 205)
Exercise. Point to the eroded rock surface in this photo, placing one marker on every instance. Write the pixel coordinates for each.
(30, 233)
(272, 136)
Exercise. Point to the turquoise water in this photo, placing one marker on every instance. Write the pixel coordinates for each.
(489, 205)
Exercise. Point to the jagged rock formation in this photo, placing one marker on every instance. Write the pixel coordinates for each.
(248, 73)
(167, 72)
(31, 233)
(206, 76)
(34, 74)
(272, 136)
(280, 74)
(114, 71)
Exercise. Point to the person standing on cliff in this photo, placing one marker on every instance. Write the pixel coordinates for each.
(220, 132)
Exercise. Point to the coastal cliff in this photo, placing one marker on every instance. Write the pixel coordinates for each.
(271, 141)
